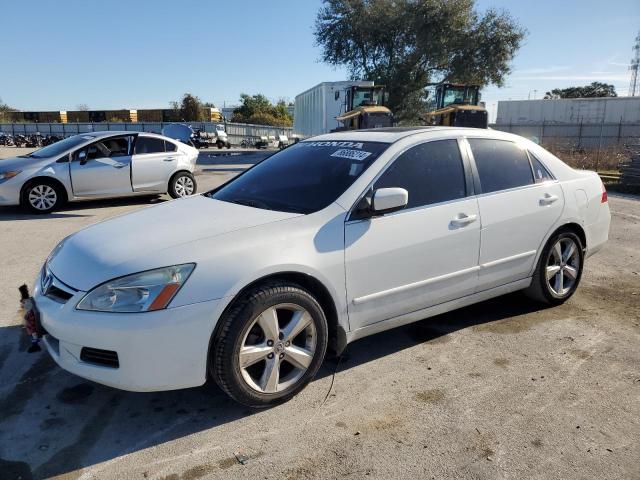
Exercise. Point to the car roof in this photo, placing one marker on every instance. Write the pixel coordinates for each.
(393, 134)
(115, 133)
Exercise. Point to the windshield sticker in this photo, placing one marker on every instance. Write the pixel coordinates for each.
(358, 145)
(357, 155)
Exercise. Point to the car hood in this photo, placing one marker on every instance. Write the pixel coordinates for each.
(20, 163)
(153, 237)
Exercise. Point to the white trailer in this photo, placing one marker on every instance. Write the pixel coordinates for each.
(316, 109)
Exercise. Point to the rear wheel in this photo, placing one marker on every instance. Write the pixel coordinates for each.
(269, 345)
(182, 184)
(559, 269)
(42, 196)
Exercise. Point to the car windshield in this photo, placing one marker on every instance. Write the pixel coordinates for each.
(303, 178)
(60, 147)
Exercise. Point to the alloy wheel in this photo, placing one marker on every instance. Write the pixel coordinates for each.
(184, 186)
(563, 267)
(43, 197)
(278, 348)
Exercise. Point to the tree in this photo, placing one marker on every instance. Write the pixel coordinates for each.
(257, 109)
(408, 44)
(82, 107)
(188, 109)
(5, 112)
(593, 90)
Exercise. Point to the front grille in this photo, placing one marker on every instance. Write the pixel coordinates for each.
(104, 358)
(55, 289)
(58, 294)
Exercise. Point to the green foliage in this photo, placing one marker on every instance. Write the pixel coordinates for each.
(5, 112)
(593, 90)
(408, 44)
(257, 109)
(188, 109)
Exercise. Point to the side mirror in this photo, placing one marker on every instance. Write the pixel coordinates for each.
(387, 200)
(381, 201)
(82, 157)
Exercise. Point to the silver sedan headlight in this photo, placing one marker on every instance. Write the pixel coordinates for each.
(140, 292)
(6, 175)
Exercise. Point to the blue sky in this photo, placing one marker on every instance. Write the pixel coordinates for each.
(128, 54)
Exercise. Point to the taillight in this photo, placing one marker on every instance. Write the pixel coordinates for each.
(603, 199)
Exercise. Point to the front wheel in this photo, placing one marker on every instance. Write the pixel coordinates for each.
(559, 269)
(42, 196)
(269, 345)
(182, 184)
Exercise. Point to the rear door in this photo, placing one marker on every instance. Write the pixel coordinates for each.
(153, 162)
(519, 204)
(422, 255)
(103, 169)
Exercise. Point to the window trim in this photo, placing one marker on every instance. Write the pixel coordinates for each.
(466, 166)
(480, 192)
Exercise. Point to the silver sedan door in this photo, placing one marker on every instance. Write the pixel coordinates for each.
(152, 164)
(103, 168)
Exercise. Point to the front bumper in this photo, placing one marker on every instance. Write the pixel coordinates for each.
(10, 191)
(160, 350)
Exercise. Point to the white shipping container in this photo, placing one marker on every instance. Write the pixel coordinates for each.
(316, 109)
(570, 110)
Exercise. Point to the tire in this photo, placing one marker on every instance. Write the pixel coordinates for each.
(219, 144)
(249, 325)
(42, 196)
(182, 184)
(568, 271)
(228, 145)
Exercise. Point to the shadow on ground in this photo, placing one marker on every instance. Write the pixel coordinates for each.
(48, 406)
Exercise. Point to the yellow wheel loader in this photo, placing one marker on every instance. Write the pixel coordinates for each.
(457, 105)
(365, 109)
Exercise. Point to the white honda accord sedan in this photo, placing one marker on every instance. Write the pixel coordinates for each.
(98, 165)
(332, 239)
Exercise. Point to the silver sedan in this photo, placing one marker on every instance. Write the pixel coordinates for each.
(98, 165)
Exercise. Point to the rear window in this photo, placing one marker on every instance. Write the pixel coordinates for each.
(302, 178)
(149, 145)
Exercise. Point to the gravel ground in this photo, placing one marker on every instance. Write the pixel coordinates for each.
(502, 389)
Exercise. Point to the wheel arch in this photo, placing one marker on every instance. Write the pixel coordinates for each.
(49, 179)
(337, 334)
(570, 226)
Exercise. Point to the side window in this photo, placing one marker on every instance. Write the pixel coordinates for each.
(540, 173)
(501, 164)
(170, 146)
(149, 145)
(108, 148)
(432, 172)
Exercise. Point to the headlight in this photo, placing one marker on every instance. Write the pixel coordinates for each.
(140, 292)
(9, 174)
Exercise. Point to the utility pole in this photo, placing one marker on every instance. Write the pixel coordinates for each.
(634, 86)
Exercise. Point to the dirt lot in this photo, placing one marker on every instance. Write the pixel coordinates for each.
(503, 389)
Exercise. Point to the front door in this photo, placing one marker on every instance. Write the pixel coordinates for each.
(102, 168)
(422, 255)
(520, 202)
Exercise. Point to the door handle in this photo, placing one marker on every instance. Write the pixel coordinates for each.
(119, 165)
(462, 220)
(548, 199)
(168, 159)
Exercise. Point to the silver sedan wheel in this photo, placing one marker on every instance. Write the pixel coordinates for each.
(184, 186)
(563, 266)
(43, 197)
(278, 348)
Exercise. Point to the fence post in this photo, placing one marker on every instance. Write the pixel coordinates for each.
(599, 145)
(580, 136)
(619, 131)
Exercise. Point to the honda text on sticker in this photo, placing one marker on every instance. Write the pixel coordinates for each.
(329, 240)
